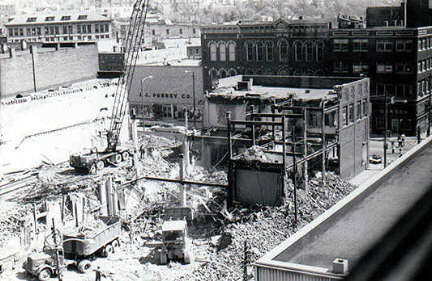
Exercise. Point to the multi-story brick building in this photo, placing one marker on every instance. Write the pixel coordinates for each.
(58, 28)
(397, 59)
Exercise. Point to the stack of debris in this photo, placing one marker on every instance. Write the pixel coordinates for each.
(262, 229)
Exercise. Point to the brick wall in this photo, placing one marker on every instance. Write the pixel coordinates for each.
(53, 68)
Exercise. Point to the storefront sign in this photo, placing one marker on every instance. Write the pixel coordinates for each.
(167, 96)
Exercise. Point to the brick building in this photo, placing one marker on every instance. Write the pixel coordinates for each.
(398, 61)
(65, 27)
(46, 68)
(323, 115)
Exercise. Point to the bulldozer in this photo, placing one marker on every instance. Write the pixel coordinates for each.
(175, 244)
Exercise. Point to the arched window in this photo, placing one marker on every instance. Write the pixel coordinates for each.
(213, 74)
(222, 52)
(249, 51)
(308, 51)
(222, 73)
(269, 51)
(260, 51)
(232, 72)
(231, 51)
(319, 51)
(213, 49)
(283, 51)
(298, 51)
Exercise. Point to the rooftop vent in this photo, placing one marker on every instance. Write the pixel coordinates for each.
(307, 91)
(31, 19)
(65, 17)
(49, 18)
(82, 17)
(340, 266)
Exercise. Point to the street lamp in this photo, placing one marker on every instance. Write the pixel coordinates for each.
(142, 93)
(193, 93)
(392, 101)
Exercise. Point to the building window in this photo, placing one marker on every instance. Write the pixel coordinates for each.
(269, 51)
(384, 68)
(403, 68)
(404, 45)
(340, 67)
(21, 31)
(360, 45)
(107, 28)
(65, 18)
(82, 17)
(29, 33)
(260, 51)
(344, 115)
(222, 73)
(298, 51)
(213, 50)
(84, 29)
(360, 68)
(365, 107)
(222, 52)
(231, 51)
(308, 51)
(249, 51)
(232, 72)
(89, 29)
(10, 32)
(193, 30)
(57, 31)
(78, 28)
(181, 31)
(153, 32)
(31, 19)
(283, 51)
(359, 113)
(340, 45)
(167, 32)
(351, 113)
(65, 29)
(319, 51)
(49, 19)
(384, 46)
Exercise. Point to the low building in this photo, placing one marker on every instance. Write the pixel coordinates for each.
(26, 71)
(67, 27)
(341, 103)
(163, 92)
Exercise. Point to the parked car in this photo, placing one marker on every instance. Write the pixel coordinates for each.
(375, 159)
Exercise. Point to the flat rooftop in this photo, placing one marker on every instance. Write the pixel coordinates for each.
(350, 232)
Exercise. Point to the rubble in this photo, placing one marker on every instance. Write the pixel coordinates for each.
(263, 229)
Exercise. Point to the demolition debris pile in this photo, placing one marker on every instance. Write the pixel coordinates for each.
(264, 228)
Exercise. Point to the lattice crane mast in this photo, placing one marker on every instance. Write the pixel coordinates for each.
(94, 161)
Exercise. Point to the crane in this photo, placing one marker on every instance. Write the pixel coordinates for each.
(94, 161)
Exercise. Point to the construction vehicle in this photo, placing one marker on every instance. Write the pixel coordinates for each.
(77, 247)
(175, 244)
(113, 154)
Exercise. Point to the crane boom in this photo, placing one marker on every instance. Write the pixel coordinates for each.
(130, 48)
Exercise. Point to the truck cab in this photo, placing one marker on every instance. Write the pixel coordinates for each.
(44, 264)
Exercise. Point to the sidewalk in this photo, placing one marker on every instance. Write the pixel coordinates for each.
(375, 169)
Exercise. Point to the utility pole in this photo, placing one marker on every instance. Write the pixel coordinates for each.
(385, 127)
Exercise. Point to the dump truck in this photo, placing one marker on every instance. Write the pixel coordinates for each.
(78, 247)
(175, 244)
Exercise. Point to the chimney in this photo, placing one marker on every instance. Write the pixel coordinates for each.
(11, 52)
(340, 266)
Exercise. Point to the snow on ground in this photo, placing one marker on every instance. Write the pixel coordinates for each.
(26, 119)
